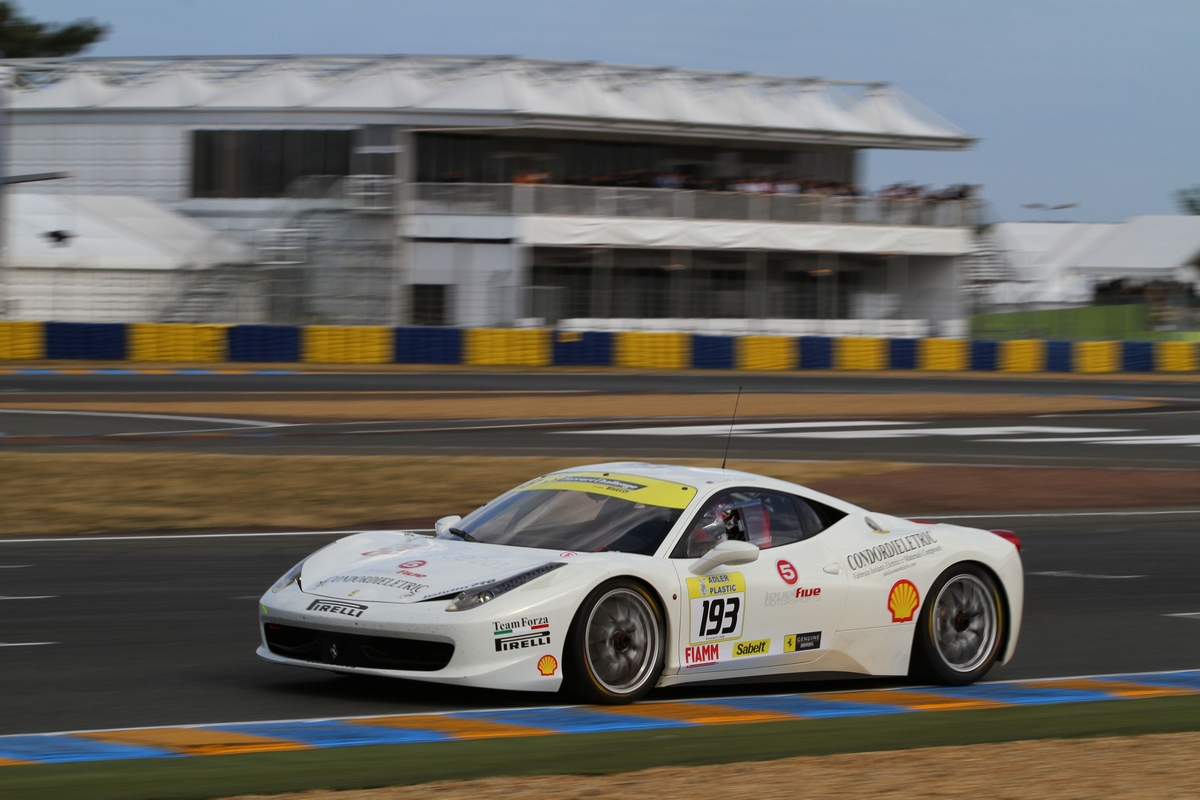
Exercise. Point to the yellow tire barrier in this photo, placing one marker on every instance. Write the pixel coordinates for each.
(22, 341)
(767, 352)
(1096, 356)
(166, 341)
(1176, 356)
(507, 347)
(1022, 355)
(347, 344)
(860, 353)
(652, 350)
(943, 355)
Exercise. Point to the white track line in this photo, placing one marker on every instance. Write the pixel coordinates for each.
(30, 597)
(25, 644)
(155, 537)
(15, 566)
(1189, 615)
(257, 423)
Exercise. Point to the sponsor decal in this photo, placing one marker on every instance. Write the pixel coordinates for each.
(787, 572)
(717, 603)
(701, 655)
(789, 597)
(799, 642)
(903, 600)
(391, 549)
(759, 647)
(567, 554)
(608, 483)
(893, 556)
(408, 587)
(547, 665)
(416, 564)
(337, 607)
(521, 634)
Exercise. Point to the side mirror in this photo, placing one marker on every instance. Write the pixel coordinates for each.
(445, 523)
(727, 553)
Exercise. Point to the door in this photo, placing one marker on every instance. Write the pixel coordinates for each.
(780, 609)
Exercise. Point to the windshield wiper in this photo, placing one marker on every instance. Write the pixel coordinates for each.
(460, 533)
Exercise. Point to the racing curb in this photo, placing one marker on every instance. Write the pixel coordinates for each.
(307, 734)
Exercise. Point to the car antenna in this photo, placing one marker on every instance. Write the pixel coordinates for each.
(731, 421)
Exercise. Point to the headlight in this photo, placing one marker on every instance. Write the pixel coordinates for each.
(289, 577)
(473, 598)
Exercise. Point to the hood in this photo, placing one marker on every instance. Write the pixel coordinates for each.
(388, 567)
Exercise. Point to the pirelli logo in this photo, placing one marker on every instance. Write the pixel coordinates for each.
(337, 607)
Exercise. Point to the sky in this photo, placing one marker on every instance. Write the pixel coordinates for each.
(1094, 102)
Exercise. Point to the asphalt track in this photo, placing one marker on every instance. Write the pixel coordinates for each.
(119, 382)
(103, 633)
(1160, 438)
(158, 631)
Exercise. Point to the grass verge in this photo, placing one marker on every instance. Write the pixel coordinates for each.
(66, 493)
(368, 767)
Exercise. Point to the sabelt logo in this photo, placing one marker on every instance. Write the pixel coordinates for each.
(903, 600)
(759, 647)
(337, 607)
(701, 655)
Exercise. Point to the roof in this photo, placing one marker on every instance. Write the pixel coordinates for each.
(534, 92)
(110, 232)
(1150, 246)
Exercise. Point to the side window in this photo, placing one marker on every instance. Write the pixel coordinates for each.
(764, 519)
(814, 516)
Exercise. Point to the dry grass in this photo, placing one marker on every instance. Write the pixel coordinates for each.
(506, 405)
(45, 493)
(1159, 766)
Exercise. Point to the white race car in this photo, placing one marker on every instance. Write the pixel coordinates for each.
(611, 579)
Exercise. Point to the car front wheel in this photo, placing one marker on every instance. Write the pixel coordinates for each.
(959, 630)
(614, 649)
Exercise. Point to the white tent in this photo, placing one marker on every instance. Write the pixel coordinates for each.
(109, 232)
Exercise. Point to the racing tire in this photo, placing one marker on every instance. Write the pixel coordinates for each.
(615, 648)
(960, 629)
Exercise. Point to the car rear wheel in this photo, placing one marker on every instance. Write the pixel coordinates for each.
(614, 649)
(959, 630)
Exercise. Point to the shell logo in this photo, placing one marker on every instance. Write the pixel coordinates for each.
(903, 601)
(547, 665)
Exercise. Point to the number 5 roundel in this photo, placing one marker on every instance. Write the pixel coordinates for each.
(786, 571)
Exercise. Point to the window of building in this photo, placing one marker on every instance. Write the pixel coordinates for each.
(429, 304)
(264, 163)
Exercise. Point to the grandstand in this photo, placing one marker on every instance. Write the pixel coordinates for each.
(496, 191)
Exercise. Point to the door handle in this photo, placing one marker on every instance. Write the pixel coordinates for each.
(832, 569)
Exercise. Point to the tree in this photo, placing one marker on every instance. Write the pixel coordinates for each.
(1189, 199)
(22, 37)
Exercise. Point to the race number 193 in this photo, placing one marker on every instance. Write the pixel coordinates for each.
(717, 605)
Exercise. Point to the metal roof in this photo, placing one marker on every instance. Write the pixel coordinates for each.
(530, 92)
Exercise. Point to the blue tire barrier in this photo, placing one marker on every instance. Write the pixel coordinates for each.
(1058, 356)
(983, 355)
(97, 341)
(1137, 356)
(816, 352)
(264, 343)
(418, 345)
(712, 352)
(583, 348)
(902, 354)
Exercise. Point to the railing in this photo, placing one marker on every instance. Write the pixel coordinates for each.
(370, 192)
(616, 201)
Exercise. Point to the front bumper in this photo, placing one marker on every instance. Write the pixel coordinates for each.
(416, 641)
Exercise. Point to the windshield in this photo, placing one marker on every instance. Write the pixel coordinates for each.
(581, 512)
